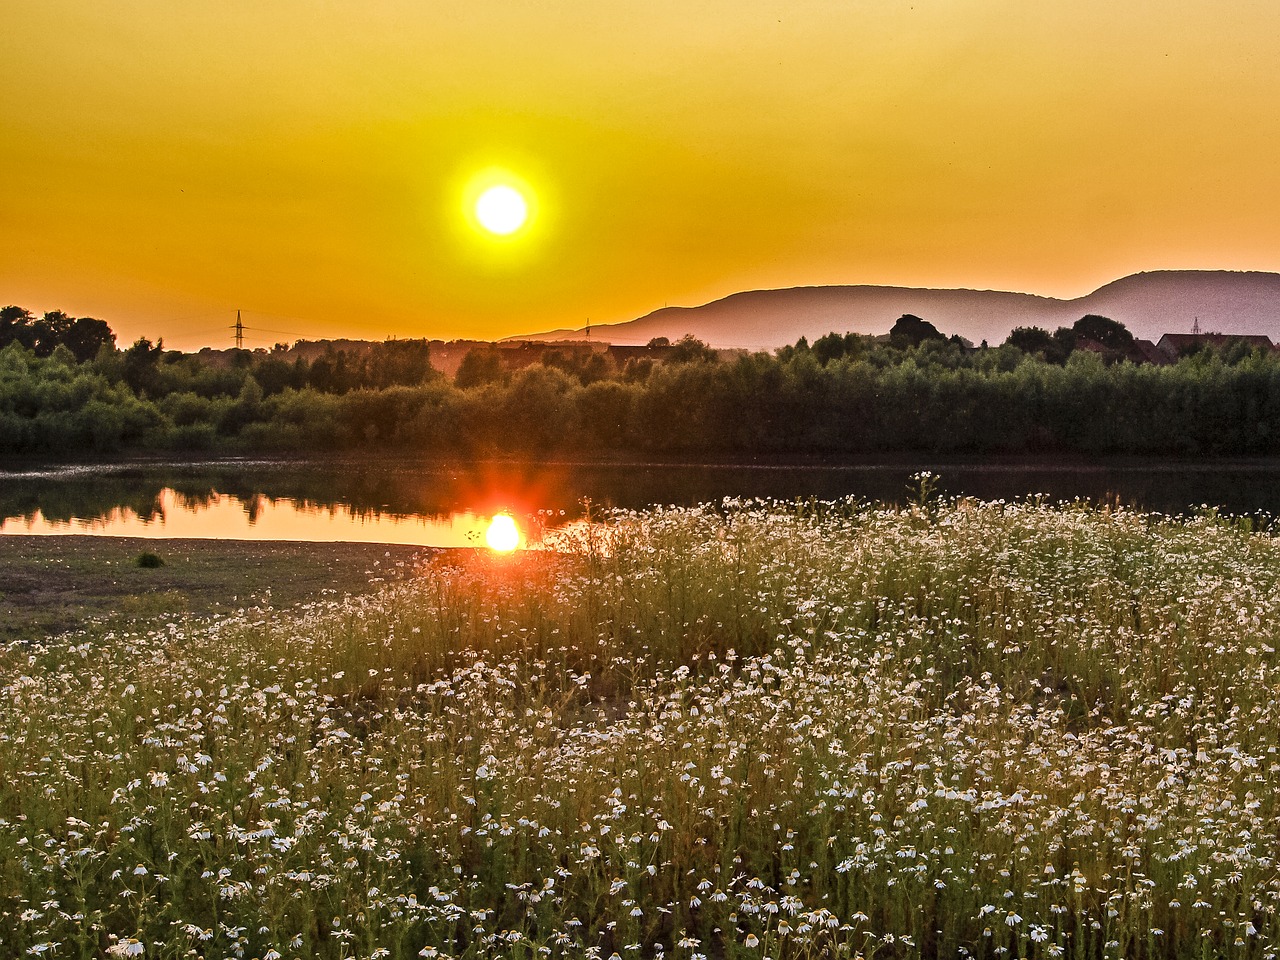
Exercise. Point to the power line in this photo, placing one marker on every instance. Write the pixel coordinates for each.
(241, 331)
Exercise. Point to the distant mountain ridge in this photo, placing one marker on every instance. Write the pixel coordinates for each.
(1149, 304)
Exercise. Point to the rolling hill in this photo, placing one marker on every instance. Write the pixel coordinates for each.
(1149, 304)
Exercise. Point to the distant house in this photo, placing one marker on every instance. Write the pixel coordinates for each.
(518, 354)
(1137, 351)
(1175, 345)
(1144, 351)
(621, 354)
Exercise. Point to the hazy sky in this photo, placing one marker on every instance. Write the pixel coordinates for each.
(165, 163)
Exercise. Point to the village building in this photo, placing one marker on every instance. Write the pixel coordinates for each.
(1175, 345)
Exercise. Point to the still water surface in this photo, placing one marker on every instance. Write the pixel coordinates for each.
(435, 505)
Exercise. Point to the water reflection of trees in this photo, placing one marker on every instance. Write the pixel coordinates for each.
(64, 501)
(100, 496)
(374, 490)
(366, 491)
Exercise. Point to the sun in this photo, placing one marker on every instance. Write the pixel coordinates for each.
(503, 535)
(502, 210)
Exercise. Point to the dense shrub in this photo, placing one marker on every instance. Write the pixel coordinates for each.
(846, 396)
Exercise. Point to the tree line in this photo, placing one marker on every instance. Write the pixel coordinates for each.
(84, 337)
(841, 396)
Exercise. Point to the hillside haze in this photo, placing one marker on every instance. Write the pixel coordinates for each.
(1149, 304)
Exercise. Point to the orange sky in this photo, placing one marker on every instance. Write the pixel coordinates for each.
(167, 163)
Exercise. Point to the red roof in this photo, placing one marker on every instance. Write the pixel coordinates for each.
(1176, 344)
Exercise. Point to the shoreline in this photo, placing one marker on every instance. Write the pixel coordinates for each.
(1072, 462)
(54, 584)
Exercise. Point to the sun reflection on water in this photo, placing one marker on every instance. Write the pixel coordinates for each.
(503, 536)
(221, 516)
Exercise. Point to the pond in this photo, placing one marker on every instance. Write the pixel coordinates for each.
(380, 501)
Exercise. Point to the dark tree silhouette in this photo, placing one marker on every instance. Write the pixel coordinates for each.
(87, 336)
(833, 346)
(481, 365)
(84, 337)
(911, 331)
(1110, 333)
(17, 325)
(140, 363)
(1038, 341)
(1066, 337)
(689, 349)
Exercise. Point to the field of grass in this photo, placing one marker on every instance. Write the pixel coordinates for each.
(748, 731)
(52, 584)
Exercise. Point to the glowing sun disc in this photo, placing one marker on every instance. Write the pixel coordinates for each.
(503, 535)
(502, 210)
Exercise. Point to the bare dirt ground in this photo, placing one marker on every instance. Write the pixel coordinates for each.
(49, 585)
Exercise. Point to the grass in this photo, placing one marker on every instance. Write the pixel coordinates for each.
(741, 732)
(50, 585)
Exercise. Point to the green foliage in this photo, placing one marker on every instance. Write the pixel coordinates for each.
(1036, 341)
(845, 395)
(50, 406)
(689, 349)
(140, 365)
(481, 365)
(833, 346)
(589, 366)
(148, 560)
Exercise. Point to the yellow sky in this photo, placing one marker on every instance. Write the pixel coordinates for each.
(167, 163)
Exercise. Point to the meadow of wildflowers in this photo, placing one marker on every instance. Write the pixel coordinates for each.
(748, 731)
